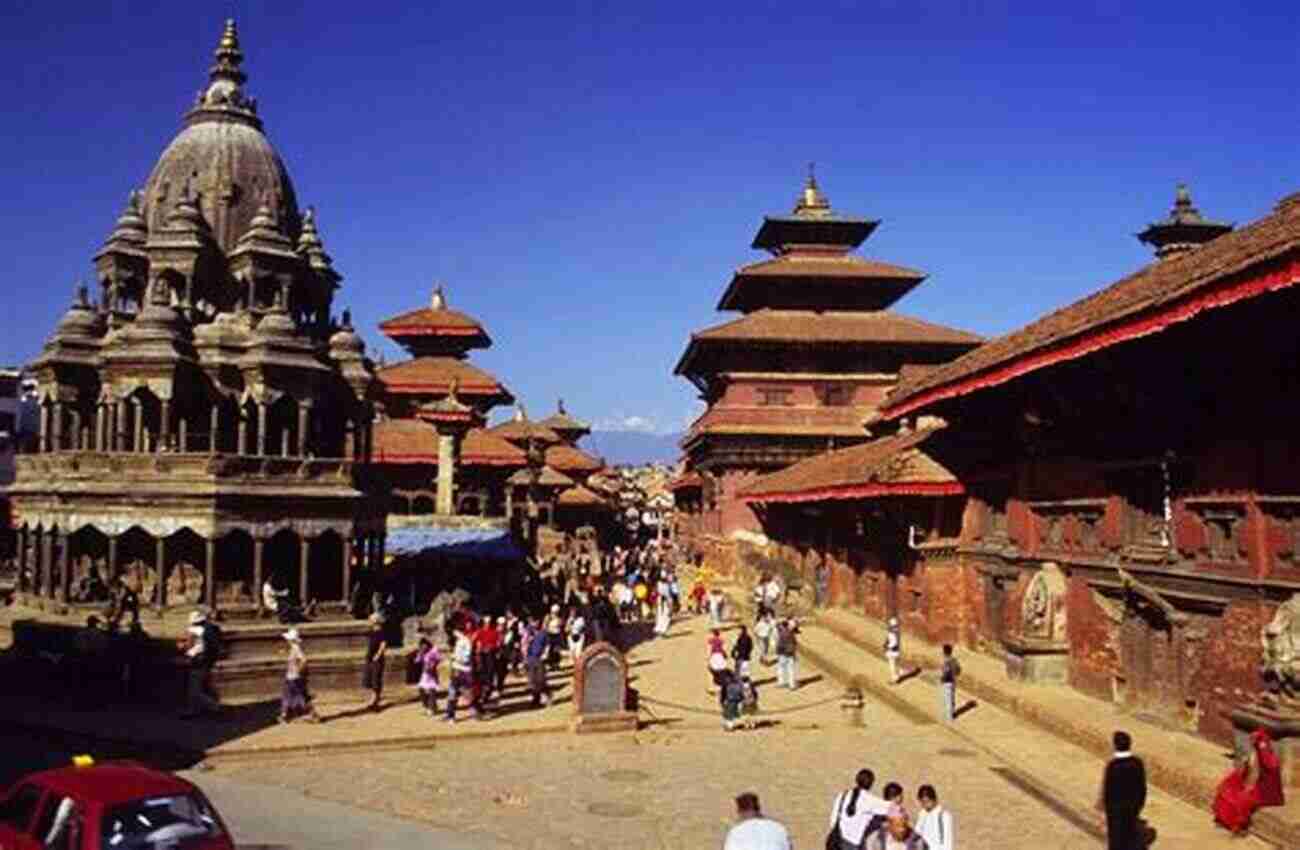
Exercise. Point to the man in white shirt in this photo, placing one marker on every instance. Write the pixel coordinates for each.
(856, 810)
(753, 831)
(934, 823)
(772, 592)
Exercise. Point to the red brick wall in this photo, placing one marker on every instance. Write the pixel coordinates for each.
(735, 514)
(1093, 659)
(1229, 672)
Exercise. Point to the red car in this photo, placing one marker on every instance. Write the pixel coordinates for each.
(113, 806)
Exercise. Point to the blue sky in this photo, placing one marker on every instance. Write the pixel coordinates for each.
(584, 177)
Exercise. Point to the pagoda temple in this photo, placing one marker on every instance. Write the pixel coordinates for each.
(205, 424)
(811, 358)
(431, 448)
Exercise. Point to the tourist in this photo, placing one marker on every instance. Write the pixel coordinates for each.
(201, 656)
(535, 649)
(897, 834)
(577, 632)
(731, 697)
(376, 647)
(1122, 796)
(675, 590)
(753, 831)
(715, 607)
(934, 823)
(554, 636)
(787, 648)
(123, 600)
(295, 699)
(893, 794)
(765, 632)
(487, 647)
(822, 584)
(893, 649)
(760, 595)
(698, 591)
(508, 656)
(461, 678)
(949, 672)
(663, 605)
(772, 592)
(272, 598)
(857, 813)
(641, 592)
(427, 658)
(741, 651)
(749, 706)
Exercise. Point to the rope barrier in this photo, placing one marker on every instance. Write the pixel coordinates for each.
(717, 712)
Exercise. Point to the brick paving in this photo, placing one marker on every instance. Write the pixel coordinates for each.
(670, 784)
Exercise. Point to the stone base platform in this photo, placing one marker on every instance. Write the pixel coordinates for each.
(621, 721)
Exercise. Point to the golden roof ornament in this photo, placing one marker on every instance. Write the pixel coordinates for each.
(439, 299)
(812, 203)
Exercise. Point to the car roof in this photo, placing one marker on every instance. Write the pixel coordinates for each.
(110, 784)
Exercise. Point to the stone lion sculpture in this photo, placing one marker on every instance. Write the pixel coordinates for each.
(1280, 638)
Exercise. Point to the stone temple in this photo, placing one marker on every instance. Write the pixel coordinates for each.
(205, 421)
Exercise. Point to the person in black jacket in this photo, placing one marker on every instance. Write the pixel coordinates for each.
(1123, 794)
(741, 651)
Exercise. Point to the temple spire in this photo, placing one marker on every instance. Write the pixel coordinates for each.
(439, 299)
(1183, 229)
(229, 57)
(223, 98)
(812, 203)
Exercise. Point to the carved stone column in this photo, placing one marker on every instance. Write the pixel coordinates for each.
(446, 473)
(214, 427)
(65, 571)
(47, 557)
(160, 591)
(261, 429)
(304, 572)
(348, 553)
(304, 422)
(112, 556)
(164, 423)
(241, 444)
(209, 572)
(56, 426)
(138, 411)
(259, 547)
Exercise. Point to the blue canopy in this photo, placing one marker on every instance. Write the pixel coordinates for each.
(488, 543)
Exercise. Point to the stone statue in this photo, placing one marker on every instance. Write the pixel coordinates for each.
(1042, 613)
(1280, 665)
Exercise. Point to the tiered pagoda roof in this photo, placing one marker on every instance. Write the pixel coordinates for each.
(413, 441)
(436, 330)
(520, 429)
(572, 460)
(568, 428)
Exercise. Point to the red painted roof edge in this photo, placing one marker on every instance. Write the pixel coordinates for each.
(432, 459)
(1234, 288)
(859, 491)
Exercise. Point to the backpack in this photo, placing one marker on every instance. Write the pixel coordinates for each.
(214, 646)
(735, 692)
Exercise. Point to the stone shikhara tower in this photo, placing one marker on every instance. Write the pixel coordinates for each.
(208, 420)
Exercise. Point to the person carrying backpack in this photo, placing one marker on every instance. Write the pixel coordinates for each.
(749, 703)
(731, 696)
(948, 675)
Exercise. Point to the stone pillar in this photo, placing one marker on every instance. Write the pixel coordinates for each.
(304, 422)
(210, 572)
(261, 429)
(348, 549)
(350, 441)
(65, 571)
(284, 443)
(98, 444)
(74, 416)
(304, 573)
(164, 423)
(446, 473)
(259, 546)
(241, 446)
(115, 427)
(112, 556)
(47, 557)
(56, 426)
(138, 411)
(160, 568)
(20, 554)
(214, 427)
(43, 428)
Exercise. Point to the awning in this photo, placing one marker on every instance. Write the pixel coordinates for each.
(488, 543)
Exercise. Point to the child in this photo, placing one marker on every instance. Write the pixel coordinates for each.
(697, 597)
(428, 658)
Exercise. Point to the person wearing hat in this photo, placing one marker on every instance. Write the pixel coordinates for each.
(294, 698)
(200, 655)
(376, 646)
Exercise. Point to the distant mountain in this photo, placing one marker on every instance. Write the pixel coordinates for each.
(624, 448)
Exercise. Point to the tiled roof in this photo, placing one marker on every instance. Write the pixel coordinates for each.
(580, 497)
(413, 441)
(435, 374)
(566, 458)
(521, 429)
(808, 263)
(686, 481)
(428, 321)
(547, 477)
(1175, 288)
(562, 421)
(893, 463)
(804, 326)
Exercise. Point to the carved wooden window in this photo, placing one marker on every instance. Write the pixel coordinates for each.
(836, 395)
(774, 396)
(1148, 491)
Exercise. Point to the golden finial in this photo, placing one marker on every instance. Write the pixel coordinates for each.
(439, 299)
(811, 201)
(229, 44)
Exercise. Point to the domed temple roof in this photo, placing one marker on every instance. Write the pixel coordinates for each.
(222, 157)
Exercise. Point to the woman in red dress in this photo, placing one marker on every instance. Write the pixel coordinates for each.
(1256, 782)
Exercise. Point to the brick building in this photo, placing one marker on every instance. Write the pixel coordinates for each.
(1129, 517)
(810, 359)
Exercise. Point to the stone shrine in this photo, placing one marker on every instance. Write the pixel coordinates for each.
(600, 691)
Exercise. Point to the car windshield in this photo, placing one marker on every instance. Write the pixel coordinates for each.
(159, 823)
